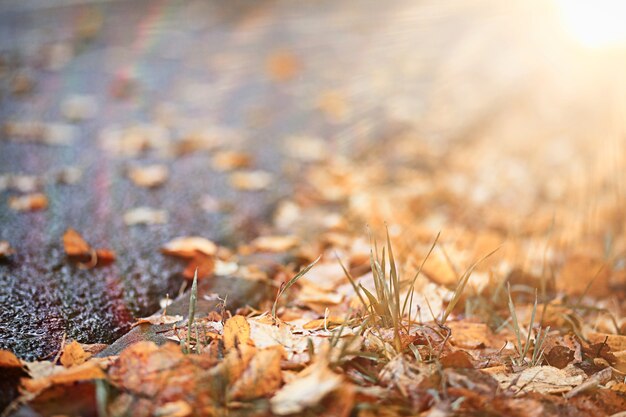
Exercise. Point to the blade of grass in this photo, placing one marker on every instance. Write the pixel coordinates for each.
(461, 286)
(419, 271)
(291, 282)
(192, 307)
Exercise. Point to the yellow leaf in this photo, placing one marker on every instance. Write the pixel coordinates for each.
(9, 360)
(73, 355)
(236, 332)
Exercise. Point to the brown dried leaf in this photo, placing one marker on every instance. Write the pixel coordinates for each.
(261, 377)
(559, 356)
(189, 246)
(149, 176)
(145, 215)
(542, 379)
(306, 148)
(275, 243)
(9, 360)
(229, 160)
(308, 388)
(204, 264)
(28, 202)
(60, 375)
(328, 322)
(158, 319)
(470, 335)
(438, 269)
(5, 249)
(73, 355)
(251, 180)
(236, 332)
(174, 409)
(105, 256)
(74, 244)
(616, 342)
(458, 359)
(579, 271)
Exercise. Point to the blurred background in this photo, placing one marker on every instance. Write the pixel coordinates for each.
(427, 115)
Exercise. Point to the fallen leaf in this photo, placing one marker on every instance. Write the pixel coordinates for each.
(261, 377)
(236, 332)
(559, 356)
(149, 176)
(105, 256)
(306, 148)
(542, 379)
(158, 319)
(74, 244)
(174, 409)
(308, 388)
(145, 215)
(438, 269)
(616, 342)
(229, 160)
(275, 243)
(28, 202)
(73, 355)
(325, 323)
(9, 360)
(470, 335)
(251, 180)
(59, 375)
(188, 246)
(5, 249)
(457, 359)
(204, 264)
(581, 270)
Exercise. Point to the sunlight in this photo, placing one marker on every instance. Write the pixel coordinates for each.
(594, 24)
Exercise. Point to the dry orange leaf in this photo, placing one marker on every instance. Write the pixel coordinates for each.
(73, 355)
(105, 256)
(615, 341)
(275, 243)
(204, 264)
(28, 202)
(251, 180)
(229, 160)
(9, 360)
(158, 319)
(469, 335)
(74, 244)
(236, 332)
(148, 176)
(438, 269)
(579, 271)
(308, 388)
(188, 246)
(261, 377)
(174, 409)
(5, 249)
(328, 322)
(87, 371)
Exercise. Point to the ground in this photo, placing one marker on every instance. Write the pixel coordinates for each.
(451, 174)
